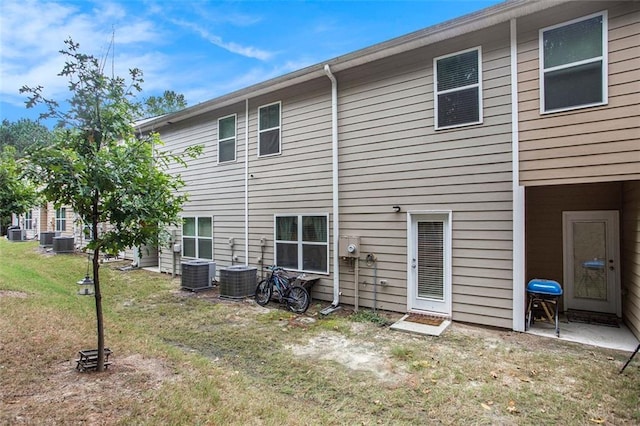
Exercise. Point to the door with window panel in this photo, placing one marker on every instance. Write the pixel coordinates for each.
(429, 286)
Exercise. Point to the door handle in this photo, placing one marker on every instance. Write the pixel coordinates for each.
(413, 263)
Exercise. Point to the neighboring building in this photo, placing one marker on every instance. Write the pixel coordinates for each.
(460, 161)
(46, 218)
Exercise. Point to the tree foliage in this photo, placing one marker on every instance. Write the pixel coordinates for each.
(169, 102)
(23, 135)
(99, 166)
(17, 193)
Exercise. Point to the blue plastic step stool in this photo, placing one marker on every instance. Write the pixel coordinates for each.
(542, 295)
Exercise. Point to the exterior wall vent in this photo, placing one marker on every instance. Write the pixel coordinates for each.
(197, 274)
(238, 282)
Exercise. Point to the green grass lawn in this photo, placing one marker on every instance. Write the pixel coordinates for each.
(187, 359)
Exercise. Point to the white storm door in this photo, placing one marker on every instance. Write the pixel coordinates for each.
(429, 263)
(591, 265)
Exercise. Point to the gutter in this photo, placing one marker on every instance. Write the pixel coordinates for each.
(246, 182)
(336, 194)
(517, 190)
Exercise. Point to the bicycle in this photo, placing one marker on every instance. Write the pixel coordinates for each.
(279, 282)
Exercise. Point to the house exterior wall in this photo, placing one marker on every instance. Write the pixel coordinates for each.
(594, 144)
(214, 190)
(299, 180)
(390, 154)
(49, 212)
(630, 225)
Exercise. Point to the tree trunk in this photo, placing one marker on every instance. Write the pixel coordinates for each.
(98, 294)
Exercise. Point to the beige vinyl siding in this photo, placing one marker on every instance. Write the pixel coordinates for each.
(390, 154)
(43, 219)
(631, 255)
(69, 215)
(299, 180)
(584, 145)
(215, 190)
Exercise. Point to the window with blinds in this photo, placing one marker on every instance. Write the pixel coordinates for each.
(302, 242)
(430, 262)
(269, 122)
(458, 89)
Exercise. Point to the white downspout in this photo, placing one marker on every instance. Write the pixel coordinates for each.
(336, 198)
(518, 303)
(246, 181)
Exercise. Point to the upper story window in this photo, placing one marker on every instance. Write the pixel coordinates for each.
(269, 129)
(227, 139)
(458, 89)
(28, 220)
(197, 237)
(302, 242)
(573, 64)
(61, 219)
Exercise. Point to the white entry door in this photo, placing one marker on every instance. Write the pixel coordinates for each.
(591, 265)
(429, 263)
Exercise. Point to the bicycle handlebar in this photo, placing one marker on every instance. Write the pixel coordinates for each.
(274, 268)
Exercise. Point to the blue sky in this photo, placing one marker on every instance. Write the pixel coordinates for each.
(202, 49)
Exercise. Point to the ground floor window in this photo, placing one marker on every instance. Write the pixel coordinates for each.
(302, 242)
(61, 219)
(28, 220)
(197, 237)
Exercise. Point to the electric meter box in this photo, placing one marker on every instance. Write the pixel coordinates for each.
(348, 246)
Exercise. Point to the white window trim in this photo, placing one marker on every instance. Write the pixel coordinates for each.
(196, 237)
(457, 89)
(603, 58)
(235, 138)
(300, 242)
(28, 221)
(61, 219)
(279, 127)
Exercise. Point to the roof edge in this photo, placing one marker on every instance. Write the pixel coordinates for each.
(484, 18)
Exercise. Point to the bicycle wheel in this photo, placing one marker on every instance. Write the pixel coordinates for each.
(263, 292)
(298, 299)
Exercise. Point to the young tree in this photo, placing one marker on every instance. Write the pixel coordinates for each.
(98, 166)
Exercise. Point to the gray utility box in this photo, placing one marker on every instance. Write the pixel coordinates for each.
(63, 244)
(17, 235)
(197, 274)
(238, 282)
(46, 238)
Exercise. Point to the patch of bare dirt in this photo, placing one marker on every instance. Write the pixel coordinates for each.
(87, 397)
(10, 293)
(356, 356)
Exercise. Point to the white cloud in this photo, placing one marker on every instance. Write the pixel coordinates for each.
(247, 51)
(32, 33)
